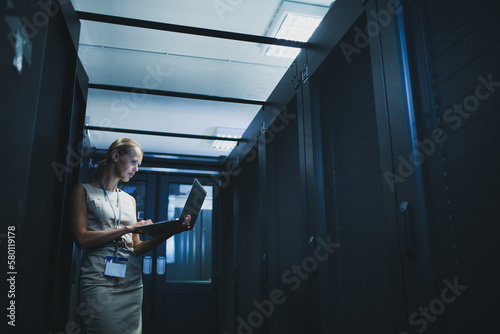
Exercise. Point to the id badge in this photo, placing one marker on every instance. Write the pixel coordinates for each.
(115, 266)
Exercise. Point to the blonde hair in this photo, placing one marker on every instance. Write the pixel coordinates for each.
(123, 146)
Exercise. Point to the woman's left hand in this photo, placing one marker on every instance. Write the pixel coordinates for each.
(185, 226)
(187, 223)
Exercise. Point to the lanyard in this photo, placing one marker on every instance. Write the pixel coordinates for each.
(117, 222)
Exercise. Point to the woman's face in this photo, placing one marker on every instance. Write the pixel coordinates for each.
(128, 164)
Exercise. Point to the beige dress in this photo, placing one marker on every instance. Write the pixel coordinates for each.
(110, 305)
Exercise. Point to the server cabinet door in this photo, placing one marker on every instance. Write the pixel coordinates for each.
(184, 266)
(456, 74)
(365, 275)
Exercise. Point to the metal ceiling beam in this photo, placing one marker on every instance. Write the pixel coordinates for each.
(162, 134)
(188, 30)
(174, 94)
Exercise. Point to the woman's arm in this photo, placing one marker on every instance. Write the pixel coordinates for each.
(85, 238)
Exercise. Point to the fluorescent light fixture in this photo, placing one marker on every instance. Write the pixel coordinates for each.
(294, 22)
(282, 51)
(297, 27)
(226, 145)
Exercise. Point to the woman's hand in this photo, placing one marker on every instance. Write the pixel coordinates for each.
(133, 228)
(185, 226)
(187, 223)
(141, 247)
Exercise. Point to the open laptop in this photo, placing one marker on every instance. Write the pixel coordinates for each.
(192, 207)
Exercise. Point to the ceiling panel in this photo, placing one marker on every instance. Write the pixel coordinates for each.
(164, 42)
(180, 74)
(243, 16)
(164, 114)
(251, 17)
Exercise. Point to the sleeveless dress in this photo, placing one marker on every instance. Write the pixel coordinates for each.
(110, 305)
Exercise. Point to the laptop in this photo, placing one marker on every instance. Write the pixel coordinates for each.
(192, 207)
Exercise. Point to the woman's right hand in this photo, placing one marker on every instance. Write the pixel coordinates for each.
(133, 227)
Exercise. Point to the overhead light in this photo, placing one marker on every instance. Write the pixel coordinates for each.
(294, 22)
(230, 133)
(282, 51)
(296, 27)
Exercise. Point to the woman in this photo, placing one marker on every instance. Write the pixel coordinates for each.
(104, 225)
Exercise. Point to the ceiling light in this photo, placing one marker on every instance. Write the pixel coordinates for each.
(294, 22)
(282, 51)
(226, 145)
(296, 27)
